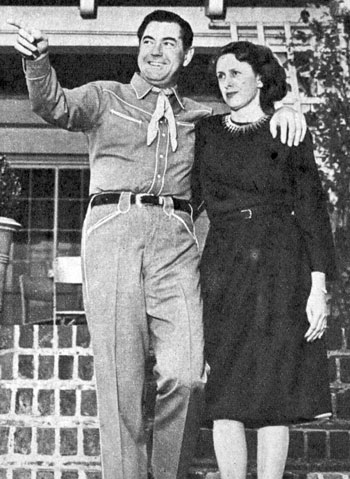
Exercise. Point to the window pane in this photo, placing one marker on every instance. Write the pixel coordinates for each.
(37, 292)
(33, 279)
(41, 246)
(69, 243)
(70, 184)
(23, 212)
(42, 214)
(20, 245)
(43, 183)
(24, 178)
(70, 214)
(86, 182)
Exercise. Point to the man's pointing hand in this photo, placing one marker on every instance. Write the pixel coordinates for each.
(31, 43)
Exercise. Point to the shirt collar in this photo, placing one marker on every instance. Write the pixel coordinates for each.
(142, 88)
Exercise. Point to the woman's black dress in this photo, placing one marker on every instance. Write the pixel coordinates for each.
(256, 274)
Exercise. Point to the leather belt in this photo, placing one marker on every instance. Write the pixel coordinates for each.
(140, 199)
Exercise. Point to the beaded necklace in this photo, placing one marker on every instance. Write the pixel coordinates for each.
(234, 127)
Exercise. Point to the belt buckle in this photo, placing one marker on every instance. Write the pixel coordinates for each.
(138, 199)
(139, 196)
(249, 214)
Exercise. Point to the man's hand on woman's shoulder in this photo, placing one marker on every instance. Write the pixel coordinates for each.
(291, 124)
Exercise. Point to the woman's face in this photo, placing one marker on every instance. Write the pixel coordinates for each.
(238, 83)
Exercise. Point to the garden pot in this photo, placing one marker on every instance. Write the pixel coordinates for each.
(7, 228)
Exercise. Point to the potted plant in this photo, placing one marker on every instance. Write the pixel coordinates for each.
(10, 190)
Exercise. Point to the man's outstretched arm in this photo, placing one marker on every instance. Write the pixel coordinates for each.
(75, 109)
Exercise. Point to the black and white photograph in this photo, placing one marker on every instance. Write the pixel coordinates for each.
(174, 239)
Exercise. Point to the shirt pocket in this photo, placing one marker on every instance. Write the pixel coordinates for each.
(123, 132)
(187, 124)
(125, 117)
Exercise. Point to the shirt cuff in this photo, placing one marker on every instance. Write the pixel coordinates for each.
(37, 69)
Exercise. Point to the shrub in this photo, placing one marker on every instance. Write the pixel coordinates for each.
(10, 190)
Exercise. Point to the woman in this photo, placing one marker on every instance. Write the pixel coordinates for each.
(267, 255)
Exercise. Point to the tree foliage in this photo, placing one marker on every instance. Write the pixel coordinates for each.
(325, 65)
(10, 189)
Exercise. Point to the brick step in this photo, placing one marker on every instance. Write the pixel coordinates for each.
(204, 473)
(209, 470)
(323, 447)
(49, 425)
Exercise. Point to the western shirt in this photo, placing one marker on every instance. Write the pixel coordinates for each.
(114, 117)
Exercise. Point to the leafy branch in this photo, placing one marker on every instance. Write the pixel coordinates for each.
(321, 56)
(10, 189)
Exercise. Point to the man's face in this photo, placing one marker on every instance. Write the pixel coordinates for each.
(161, 54)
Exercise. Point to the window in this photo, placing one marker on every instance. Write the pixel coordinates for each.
(52, 213)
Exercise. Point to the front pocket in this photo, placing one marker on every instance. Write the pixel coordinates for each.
(103, 220)
(126, 117)
(187, 222)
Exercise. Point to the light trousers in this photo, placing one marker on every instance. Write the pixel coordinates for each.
(141, 284)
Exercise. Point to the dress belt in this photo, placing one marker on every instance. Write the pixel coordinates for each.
(260, 210)
(140, 199)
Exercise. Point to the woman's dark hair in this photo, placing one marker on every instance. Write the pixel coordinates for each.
(168, 17)
(264, 64)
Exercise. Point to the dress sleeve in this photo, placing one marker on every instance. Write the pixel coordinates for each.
(196, 185)
(310, 206)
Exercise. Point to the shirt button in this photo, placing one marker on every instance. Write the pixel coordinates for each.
(163, 134)
(159, 176)
(161, 156)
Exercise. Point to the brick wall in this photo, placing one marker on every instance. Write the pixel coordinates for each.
(48, 415)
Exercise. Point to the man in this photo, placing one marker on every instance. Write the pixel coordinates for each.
(139, 250)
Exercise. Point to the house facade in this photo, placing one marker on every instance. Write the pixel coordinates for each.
(53, 165)
(48, 413)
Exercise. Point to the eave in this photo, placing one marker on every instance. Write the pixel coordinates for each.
(115, 27)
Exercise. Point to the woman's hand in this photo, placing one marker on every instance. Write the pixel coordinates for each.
(291, 122)
(316, 308)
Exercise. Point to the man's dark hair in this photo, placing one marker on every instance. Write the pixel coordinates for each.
(164, 16)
